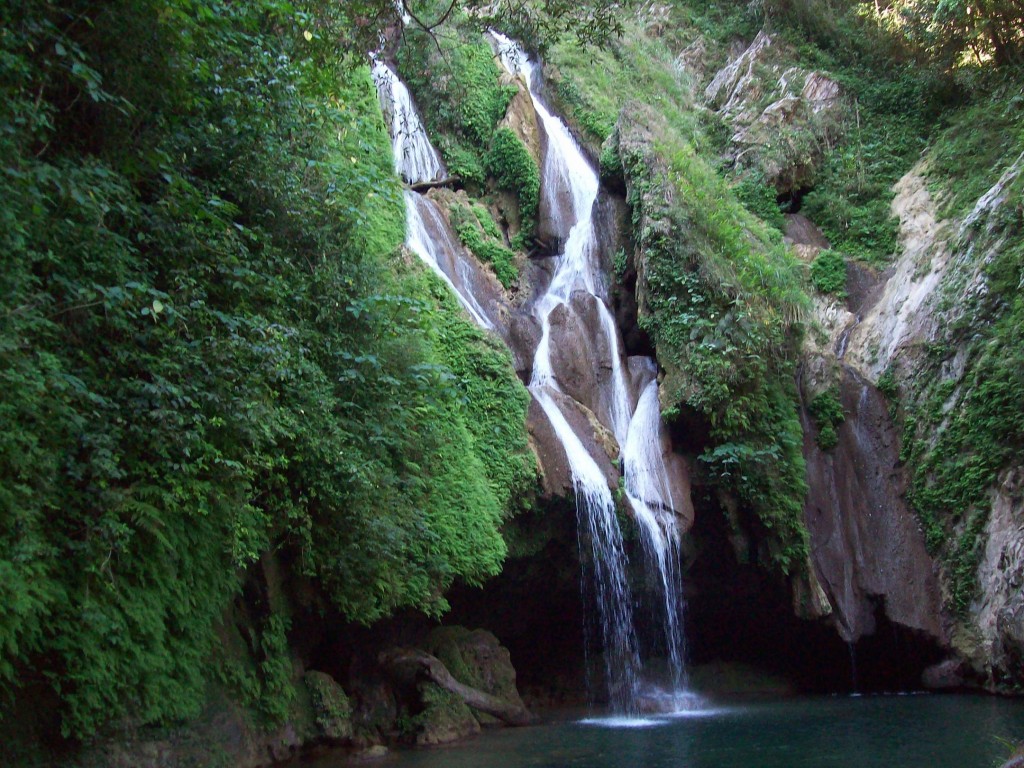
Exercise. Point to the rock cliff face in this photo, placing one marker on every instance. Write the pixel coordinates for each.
(783, 119)
(866, 546)
(869, 545)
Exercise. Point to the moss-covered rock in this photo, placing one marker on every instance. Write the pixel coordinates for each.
(445, 717)
(331, 707)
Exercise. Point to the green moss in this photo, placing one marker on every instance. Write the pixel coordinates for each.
(513, 168)
(483, 243)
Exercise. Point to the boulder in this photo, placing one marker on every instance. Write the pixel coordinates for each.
(556, 475)
(464, 679)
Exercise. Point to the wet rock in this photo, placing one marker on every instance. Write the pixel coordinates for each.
(867, 546)
(464, 678)
(556, 475)
(445, 717)
(522, 119)
(581, 353)
(376, 752)
(477, 659)
(374, 712)
(474, 282)
(522, 334)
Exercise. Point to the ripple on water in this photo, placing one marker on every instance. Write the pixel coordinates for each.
(621, 721)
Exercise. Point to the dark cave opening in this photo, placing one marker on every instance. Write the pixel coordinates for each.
(792, 200)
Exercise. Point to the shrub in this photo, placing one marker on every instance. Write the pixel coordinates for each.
(828, 273)
(513, 168)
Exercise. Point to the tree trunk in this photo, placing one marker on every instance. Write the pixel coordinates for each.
(400, 660)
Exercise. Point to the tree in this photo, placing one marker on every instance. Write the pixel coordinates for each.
(955, 30)
(536, 22)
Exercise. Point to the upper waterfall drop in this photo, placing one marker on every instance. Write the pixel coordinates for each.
(427, 233)
(416, 159)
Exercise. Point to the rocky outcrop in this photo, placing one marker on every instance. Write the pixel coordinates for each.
(783, 121)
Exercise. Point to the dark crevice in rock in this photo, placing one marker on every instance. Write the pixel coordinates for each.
(534, 606)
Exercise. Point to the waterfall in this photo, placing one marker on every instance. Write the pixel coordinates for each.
(428, 234)
(416, 159)
(637, 429)
(572, 186)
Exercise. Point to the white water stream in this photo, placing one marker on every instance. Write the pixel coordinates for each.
(427, 232)
(637, 429)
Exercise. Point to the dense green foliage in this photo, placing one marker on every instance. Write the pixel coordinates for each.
(588, 21)
(981, 142)
(513, 168)
(828, 273)
(960, 31)
(205, 353)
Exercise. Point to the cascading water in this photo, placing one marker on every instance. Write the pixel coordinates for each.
(637, 430)
(416, 161)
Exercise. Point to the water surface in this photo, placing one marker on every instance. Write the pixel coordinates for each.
(906, 731)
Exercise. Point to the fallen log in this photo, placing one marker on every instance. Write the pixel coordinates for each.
(402, 660)
(423, 186)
